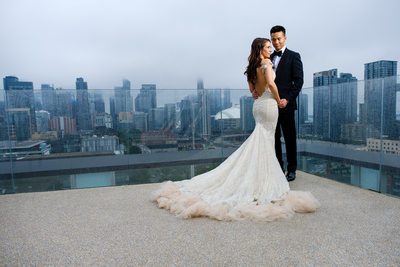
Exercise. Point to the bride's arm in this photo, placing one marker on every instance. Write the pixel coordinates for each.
(270, 82)
(253, 90)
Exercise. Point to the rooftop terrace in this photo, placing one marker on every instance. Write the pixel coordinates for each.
(121, 226)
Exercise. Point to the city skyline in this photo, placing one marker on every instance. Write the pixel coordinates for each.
(79, 121)
(180, 42)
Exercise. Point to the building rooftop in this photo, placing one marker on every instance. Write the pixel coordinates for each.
(121, 226)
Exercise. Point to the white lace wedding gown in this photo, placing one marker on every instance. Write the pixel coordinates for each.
(248, 184)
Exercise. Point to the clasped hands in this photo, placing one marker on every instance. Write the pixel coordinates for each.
(283, 103)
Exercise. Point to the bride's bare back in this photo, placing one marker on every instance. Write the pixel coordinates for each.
(265, 80)
(261, 84)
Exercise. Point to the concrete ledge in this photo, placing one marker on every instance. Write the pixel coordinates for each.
(121, 226)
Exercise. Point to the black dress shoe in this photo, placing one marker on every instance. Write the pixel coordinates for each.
(290, 176)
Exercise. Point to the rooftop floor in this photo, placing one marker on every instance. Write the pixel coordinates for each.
(121, 226)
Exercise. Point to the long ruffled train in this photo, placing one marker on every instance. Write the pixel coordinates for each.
(186, 205)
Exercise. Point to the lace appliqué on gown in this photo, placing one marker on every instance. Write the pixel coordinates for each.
(249, 184)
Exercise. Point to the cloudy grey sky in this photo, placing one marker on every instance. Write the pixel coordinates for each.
(173, 42)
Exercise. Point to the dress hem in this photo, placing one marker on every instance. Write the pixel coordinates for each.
(188, 205)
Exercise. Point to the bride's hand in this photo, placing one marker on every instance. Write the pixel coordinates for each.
(254, 94)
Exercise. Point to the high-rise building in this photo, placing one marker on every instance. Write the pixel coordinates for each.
(146, 99)
(140, 121)
(19, 95)
(99, 106)
(216, 104)
(335, 102)
(82, 105)
(123, 99)
(347, 88)
(203, 125)
(3, 121)
(380, 96)
(227, 99)
(186, 119)
(42, 121)
(380, 69)
(303, 108)
(169, 116)
(125, 121)
(301, 115)
(200, 84)
(19, 120)
(49, 99)
(324, 84)
(156, 118)
(247, 122)
(113, 114)
(64, 102)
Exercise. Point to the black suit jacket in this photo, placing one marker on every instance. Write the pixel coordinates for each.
(289, 78)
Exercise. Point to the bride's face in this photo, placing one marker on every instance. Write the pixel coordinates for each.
(266, 51)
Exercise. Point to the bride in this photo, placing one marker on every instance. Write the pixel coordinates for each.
(250, 183)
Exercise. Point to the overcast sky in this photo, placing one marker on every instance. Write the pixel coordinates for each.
(173, 43)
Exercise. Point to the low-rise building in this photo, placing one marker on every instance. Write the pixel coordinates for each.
(388, 146)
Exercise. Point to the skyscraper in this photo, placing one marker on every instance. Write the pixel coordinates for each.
(347, 86)
(20, 101)
(380, 88)
(147, 98)
(156, 118)
(64, 100)
(227, 99)
(99, 106)
(82, 105)
(204, 115)
(303, 108)
(247, 121)
(140, 121)
(335, 102)
(324, 84)
(114, 115)
(20, 123)
(169, 116)
(42, 121)
(122, 96)
(3, 121)
(186, 117)
(49, 99)
(216, 104)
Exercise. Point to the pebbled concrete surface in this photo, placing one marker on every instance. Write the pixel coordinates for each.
(119, 226)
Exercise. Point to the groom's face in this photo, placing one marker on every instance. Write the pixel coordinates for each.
(278, 40)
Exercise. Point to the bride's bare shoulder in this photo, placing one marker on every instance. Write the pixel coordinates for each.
(265, 61)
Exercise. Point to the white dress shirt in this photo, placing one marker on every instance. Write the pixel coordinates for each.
(278, 58)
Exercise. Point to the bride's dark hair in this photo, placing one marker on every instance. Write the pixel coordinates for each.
(254, 59)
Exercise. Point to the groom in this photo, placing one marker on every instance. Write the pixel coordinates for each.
(289, 80)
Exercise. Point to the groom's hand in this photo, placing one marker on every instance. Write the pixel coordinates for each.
(283, 103)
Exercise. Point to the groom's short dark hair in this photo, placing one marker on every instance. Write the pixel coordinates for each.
(278, 28)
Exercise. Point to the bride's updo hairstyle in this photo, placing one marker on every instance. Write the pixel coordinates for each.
(254, 59)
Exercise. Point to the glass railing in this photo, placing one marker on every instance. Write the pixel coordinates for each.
(52, 139)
